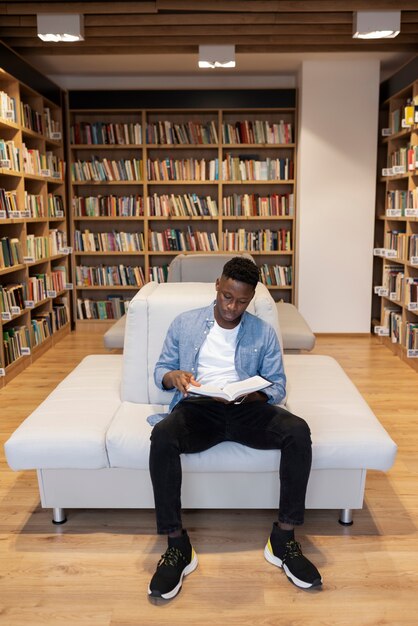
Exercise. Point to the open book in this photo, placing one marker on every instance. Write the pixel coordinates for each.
(232, 391)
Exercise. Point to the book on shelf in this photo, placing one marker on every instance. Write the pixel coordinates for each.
(165, 132)
(231, 391)
(7, 107)
(258, 131)
(108, 206)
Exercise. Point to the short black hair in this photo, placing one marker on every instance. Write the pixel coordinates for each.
(242, 269)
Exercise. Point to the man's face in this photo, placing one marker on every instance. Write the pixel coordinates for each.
(232, 299)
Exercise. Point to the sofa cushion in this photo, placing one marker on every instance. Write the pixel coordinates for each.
(68, 430)
(128, 442)
(345, 431)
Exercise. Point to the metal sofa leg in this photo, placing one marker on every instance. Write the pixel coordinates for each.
(346, 517)
(58, 516)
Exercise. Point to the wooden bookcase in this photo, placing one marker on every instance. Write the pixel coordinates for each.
(33, 221)
(171, 143)
(396, 272)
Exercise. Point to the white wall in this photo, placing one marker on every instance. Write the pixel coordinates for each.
(338, 126)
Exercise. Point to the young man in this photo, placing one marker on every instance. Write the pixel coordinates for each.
(219, 344)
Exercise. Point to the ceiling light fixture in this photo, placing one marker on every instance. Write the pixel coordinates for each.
(376, 24)
(216, 56)
(60, 27)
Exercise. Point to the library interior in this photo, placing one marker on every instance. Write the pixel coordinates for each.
(155, 156)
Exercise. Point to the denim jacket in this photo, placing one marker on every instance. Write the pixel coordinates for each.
(257, 352)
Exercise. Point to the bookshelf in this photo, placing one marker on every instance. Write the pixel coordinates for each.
(396, 270)
(34, 255)
(150, 183)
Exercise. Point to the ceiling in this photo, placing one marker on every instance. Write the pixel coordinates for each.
(162, 37)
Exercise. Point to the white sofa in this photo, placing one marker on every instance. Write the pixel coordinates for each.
(89, 440)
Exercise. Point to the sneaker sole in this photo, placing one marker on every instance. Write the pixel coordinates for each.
(274, 560)
(171, 594)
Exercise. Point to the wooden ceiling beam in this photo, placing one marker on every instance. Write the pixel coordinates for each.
(204, 31)
(83, 8)
(266, 49)
(282, 6)
(165, 19)
(193, 38)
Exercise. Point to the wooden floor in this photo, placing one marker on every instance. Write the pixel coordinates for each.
(94, 570)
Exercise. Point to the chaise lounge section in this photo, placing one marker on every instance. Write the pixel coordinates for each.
(89, 440)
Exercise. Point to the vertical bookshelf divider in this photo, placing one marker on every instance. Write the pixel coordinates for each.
(171, 162)
(34, 249)
(397, 211)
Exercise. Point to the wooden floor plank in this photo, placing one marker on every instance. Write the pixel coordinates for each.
(94, 570)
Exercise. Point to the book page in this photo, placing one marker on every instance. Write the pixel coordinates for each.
(232, 390)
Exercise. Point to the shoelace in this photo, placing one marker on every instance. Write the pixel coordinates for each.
(171, 557)
(293, 550)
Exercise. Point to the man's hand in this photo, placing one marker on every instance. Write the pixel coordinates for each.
(180, 380)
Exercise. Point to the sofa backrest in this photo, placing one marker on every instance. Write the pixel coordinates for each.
(202, 268)
(149, 315)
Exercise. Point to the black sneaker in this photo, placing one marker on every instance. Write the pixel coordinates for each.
(283, 551)
(178, 560)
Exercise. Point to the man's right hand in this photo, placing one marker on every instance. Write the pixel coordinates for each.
(180, 380)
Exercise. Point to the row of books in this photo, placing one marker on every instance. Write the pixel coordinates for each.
(108, 206)
(105, 170)
(182, 169)
(404, 116)
(400, 331)
(34, 205)
(172, 133)
(411, 337)
(109, 242)
(167, 132)
(190, 240)
(8, 202)
(52, 126)
(11, 252)
(181, 205)
(49, 164)
(185, 205)
(403, 160)
(398, 287)
(257, 131)
(106, 133)
(276, 275)
(110, 309)
(9, 156)
(256, 205)
(40, 247)
(264, 240)
(12, 297)
(42, 123)
(31, 119)
(109, 275)
(37, 288)
(402, 200)
(406, 245)
(158, 273)
(245, 168)
(7, 107)
(18, 341)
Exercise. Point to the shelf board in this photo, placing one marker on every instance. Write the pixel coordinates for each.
(103, 218)
(106, 146)
(108, 287)
(78, 183)
(108, 253)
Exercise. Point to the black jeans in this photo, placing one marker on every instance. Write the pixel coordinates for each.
(196, 425)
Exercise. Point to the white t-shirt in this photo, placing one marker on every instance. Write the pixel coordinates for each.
(216, 363)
